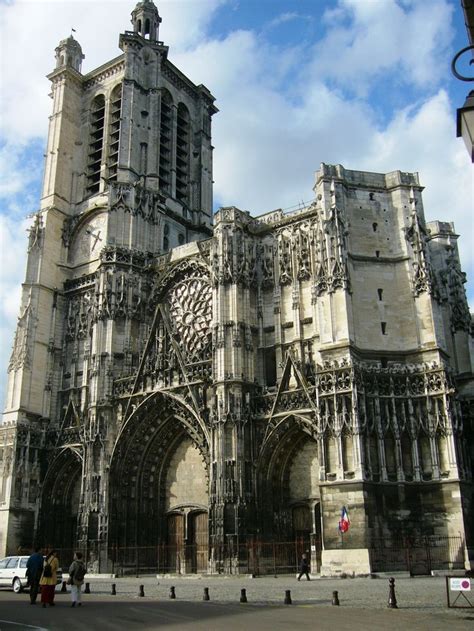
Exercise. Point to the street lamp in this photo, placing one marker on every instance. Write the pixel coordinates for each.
(465, 114)
(465, 123)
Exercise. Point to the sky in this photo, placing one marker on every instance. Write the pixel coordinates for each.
(362, 83)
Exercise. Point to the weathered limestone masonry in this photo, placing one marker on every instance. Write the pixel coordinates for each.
(203, 387)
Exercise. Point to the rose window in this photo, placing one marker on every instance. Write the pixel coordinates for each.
(190, 307)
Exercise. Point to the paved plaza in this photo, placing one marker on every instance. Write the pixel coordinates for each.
(363, 605)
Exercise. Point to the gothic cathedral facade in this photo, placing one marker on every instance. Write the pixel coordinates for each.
(202, 382)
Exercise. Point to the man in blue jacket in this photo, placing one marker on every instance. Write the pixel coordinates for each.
(34, 568)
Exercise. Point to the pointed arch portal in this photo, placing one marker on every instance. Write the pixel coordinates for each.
(289, 473)
(60, 501)
(159, 486)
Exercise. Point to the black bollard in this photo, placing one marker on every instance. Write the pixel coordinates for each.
(63, 587)
(141, 592)
(288, 600)
(392, 599)
(335, 598)
(205, 596)
(172, 593)
(87, 589)
(243, 596)
(114, 591)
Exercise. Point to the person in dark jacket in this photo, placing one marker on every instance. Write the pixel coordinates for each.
(304, 567)
(34, 569)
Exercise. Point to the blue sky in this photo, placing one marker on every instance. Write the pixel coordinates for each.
(363, 83)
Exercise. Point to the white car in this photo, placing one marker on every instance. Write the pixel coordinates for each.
(13, 573)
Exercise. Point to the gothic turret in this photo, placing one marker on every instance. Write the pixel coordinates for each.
(69, 53)
(146, 20)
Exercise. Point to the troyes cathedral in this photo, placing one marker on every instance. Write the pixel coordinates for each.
(204, 382)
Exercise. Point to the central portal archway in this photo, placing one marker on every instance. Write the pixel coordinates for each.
(159, 489)
(186, 504)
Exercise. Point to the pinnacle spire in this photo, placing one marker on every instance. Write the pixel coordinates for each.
(146, 20)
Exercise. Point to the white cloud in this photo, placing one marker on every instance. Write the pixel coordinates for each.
(288, 16)
(367, 40)
(13, 239)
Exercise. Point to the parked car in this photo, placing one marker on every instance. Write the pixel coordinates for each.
(13, 573)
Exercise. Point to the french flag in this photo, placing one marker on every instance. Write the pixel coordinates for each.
(344, 522)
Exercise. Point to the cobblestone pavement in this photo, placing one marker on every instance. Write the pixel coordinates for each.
(422, 594)
(363, 606)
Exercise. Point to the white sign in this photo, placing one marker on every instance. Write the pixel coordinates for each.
(460, 584)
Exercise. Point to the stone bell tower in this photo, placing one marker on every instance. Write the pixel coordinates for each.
(128, 176)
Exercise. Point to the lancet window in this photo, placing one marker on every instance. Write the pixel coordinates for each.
(96, 144)
(166, 135)
(114, 131)
(182, 154)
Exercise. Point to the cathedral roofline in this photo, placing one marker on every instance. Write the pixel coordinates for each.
(368, 179)
(93, 74)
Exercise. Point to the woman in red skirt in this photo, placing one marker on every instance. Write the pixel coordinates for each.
(49, 578)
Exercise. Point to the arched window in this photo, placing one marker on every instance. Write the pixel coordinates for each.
(96, 145)
(182, 154)
(114, 131)
(165, 142)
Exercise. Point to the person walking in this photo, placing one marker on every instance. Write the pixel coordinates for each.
(34, 569)
(77, 571)
(304, 567)
(49, 578)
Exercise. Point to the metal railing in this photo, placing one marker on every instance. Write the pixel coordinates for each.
(418, 555)
(259, 558)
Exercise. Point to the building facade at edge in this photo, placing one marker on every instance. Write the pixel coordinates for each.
(201, 385)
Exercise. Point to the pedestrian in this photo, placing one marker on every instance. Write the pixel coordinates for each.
(34, 569)
(49, 578)
(304, 567)
(77, 571)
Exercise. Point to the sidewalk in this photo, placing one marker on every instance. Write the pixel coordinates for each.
(421, 594)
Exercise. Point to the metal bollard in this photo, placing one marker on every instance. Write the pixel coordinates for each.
(288, 600)
(335, 598)
(206, 594)
(141, 592)
(114, 591)
(243, 596)
(87, 589)
(63, 587)
(392, 599)
(172, 593)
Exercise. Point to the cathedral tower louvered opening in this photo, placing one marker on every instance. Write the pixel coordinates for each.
(166, 137)
(96, 145)
(182, 154)
(114, 131)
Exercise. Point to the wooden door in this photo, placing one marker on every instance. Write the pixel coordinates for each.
(302, 526)
(175, 542)
(199, 539)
